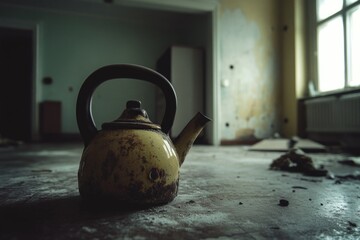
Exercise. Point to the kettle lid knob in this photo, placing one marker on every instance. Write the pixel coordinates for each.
(133, 104)
(134, 110)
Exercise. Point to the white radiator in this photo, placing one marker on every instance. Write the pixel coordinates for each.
(333, 114)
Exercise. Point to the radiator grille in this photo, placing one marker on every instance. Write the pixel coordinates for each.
(334, 114)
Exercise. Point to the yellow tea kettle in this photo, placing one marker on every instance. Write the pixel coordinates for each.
(132, 159)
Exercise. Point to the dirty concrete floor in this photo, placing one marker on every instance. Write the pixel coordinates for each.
(225, 193)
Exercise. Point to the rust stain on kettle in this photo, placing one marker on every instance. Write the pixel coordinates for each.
(156, 174)
(108, 165)
(159, 193)
(129, 143)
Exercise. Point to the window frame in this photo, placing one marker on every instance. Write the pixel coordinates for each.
(313, 26)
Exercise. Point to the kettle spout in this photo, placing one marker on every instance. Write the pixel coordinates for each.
(188, 135)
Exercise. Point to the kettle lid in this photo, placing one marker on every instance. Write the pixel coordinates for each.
(133, 117)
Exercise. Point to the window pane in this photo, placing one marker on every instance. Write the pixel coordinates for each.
(354, 47)
(331, 55)
(325, 8)
(348, 2)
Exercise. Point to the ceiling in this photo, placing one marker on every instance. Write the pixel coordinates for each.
(180, 6)
(189, 6)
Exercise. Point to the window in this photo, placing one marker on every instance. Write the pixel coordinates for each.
(337, 44)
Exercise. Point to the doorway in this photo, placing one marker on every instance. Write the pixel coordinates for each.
(16, 78)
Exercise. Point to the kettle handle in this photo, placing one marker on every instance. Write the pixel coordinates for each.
(84, 116)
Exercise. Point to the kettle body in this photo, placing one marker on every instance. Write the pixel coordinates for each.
(138, 166)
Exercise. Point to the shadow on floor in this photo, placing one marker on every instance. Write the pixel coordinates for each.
(48, 215)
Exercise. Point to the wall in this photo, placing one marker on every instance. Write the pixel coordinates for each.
(294, 69)
(289, 112)
(249, 38)
(74, 44)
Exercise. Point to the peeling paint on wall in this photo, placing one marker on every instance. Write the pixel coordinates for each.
(249, 71)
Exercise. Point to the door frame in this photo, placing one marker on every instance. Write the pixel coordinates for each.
(34, 27)
(212, 91)
(215, 136)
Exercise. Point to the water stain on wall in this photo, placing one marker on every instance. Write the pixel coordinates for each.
(249, 70)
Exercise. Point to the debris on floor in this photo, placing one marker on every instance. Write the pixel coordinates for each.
(283, 203)
(278, 145)
(284, 145)
(6, 142)
(299, 187)
(349, 162)
(297, 161)
(306, 145)
(354, 176)
(41, 170)
(352, 224)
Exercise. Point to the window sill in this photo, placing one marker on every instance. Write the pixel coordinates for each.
(335, 93)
